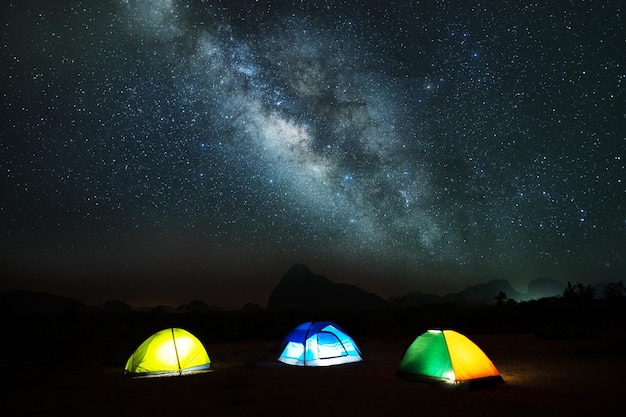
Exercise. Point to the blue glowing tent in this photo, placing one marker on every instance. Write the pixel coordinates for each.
(321, 343)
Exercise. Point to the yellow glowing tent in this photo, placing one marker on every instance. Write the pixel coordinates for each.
(168, 352)
(448, 356)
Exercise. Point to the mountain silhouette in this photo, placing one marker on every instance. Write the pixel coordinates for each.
(116, 306)
(544, 287)
(483, 293)
(301, 289)
(31, 302)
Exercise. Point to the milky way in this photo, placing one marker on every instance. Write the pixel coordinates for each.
(417, 145)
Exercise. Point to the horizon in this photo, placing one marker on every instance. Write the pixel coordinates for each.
(162, 149)
(262, 302)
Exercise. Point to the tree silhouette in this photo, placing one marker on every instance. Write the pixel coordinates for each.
(501, 298)
(614, 290)
(579, 292)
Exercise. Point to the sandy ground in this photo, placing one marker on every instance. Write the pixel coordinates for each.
(543, 378)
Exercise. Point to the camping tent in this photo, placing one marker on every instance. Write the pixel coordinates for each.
(447, 356)
(168, 352)
(319, 343)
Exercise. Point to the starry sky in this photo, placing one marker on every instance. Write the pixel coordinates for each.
(161, 151)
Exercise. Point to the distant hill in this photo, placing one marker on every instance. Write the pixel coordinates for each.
(483, 293)
(196, 306)
(544, 287)
(301, 289)
(30, 302)
(116, 306)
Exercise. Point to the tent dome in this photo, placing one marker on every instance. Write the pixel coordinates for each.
(321, 343)
(168, 352)
(448, 356)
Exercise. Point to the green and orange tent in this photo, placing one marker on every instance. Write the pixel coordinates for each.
(449, 357)
(171, 351)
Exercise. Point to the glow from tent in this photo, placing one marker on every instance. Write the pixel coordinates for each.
(450, 376)
(468, 360)
(325, 345)
(294, 350)
(168, 351)
(311, 348)
(329, 347)
(163, 355)
(188, 356)
(183, 344)
(448, 356)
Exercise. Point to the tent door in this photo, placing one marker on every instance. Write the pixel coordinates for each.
(329, 346)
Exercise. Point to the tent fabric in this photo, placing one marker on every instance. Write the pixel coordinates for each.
(171, 351)
(319, 344)
(447, 356)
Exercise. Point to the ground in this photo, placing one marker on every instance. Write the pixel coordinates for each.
(542, 378)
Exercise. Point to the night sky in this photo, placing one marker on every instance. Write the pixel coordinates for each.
(161, 151)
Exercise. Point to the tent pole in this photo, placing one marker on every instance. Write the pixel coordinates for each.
(180, 372)
(306, 338)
